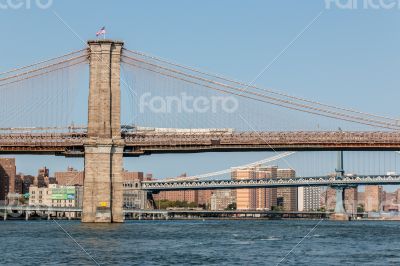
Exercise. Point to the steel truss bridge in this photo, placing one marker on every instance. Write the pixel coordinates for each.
(272, 182)
(136, 144)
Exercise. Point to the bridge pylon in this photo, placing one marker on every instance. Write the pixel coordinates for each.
(103, 190)
(340, 211)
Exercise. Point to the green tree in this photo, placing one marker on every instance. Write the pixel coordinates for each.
(231, 206)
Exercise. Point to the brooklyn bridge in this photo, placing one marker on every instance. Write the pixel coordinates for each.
(37, 103)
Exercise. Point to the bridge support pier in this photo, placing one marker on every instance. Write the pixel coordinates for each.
(103, 190)
(5, 215)
(340, 212)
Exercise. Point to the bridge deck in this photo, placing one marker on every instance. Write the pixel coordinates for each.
(136, 144)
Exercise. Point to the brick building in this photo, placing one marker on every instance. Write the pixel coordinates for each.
(7, 177)
(373, 198)
(287, 196)
(71, 177)
(255, 198)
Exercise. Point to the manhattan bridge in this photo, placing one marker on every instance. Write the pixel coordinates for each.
(45, 109)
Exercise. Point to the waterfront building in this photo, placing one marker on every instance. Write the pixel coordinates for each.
(57, 196)
(255, 198)
(330, 199)
(126, 175)
(204, 197)
(309, 198)
(39, 196)
(190, 196)
(7, 177)
(221, 199)
(397, 193)
(287, 196)
(373, 198)
(71, 177)
(390, 208)
(134, 197)
(361, 198)
(351, 200)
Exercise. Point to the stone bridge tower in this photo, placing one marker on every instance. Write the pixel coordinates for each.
(103, 191)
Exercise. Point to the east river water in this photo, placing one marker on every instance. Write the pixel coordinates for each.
(209, 242)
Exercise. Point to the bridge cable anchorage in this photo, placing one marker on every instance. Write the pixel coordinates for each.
(254, 87)
(270, 100)
(221, 172)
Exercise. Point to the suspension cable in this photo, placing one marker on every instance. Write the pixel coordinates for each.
(42, 62)
(269, 97)
(44, 73)
(265, 101)
(41, 68)
(254, 87)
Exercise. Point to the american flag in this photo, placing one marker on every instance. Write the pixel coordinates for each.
(102, 31)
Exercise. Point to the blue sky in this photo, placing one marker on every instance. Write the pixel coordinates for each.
(347, 57)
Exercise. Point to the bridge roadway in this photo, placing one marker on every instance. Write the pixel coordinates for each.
(346, 181)
(139, 143)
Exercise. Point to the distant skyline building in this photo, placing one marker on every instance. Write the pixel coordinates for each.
(287, 196)
(7, 177)
(265, 198)
(221, 199)
(255, 198)
(373, 198)
(351, 200)
(134, 197)
(71, 177)
(27, 181)
(309, 198)
(42, 179)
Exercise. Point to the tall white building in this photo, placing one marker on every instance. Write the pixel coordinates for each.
(309, 198)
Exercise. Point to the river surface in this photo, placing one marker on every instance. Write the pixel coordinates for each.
(210, 242)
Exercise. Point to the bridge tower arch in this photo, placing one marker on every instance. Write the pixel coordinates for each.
(103, 190)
